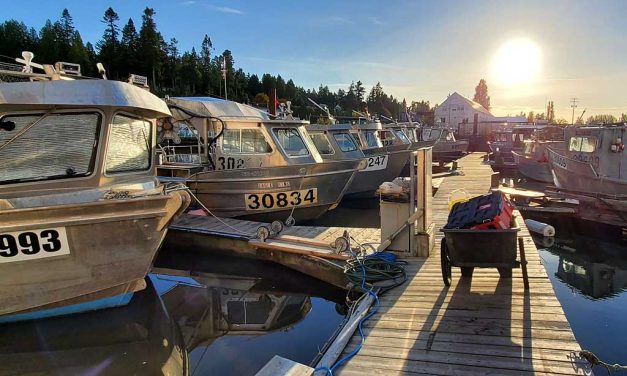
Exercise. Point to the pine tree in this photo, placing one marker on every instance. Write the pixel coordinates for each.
(151, 42)
(48, 52)
(129, 46)
(481, 94)
(78, 54)
(108, 46)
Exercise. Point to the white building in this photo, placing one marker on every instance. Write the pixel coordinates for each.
(457, 109)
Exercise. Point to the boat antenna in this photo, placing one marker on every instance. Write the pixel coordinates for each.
(323, 108)
(580, 117)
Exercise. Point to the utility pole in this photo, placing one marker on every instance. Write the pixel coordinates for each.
(223, 70)
(573, 104)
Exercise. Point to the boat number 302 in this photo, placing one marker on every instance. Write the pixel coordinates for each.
(378, 162)
(287, 199)
(230, 163)
(33, 244)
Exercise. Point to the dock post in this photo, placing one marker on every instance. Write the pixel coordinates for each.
(424, 237)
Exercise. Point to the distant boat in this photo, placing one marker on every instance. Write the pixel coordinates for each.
(446, 147)
(82, 214)
(533, 160)
(240, 162)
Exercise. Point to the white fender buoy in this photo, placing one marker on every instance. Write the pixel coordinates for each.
(540, 228)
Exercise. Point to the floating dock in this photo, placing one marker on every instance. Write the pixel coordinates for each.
(479, 326)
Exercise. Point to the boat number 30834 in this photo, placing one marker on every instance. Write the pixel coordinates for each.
(287, 199)
(34, 244)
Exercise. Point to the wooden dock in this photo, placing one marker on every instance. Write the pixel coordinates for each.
(479, 326)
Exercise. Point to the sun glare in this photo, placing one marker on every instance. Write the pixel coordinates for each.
(517, 62)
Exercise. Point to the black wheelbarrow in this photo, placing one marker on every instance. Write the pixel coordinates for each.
(469, 249)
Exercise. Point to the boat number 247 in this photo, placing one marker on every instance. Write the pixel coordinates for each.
(287, 199)
(33, 244)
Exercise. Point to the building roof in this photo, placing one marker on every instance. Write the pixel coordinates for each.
(476, 106)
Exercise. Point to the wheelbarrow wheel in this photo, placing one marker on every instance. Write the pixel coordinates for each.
(445, 261)
(467, 271)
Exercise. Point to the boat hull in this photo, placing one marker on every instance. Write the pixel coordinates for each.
(580, 176)
(225, 192)
(449, 151)
(110, 246)
(366, 182)
(533, 169)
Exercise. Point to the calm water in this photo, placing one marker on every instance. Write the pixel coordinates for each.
(587, 265)
(198, 316)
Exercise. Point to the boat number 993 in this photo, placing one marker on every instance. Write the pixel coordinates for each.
(288, 199)
(34, 244)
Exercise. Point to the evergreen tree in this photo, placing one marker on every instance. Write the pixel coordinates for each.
(15, 37)
(150, 51)
(129, 47)
(65, 32)
(78, 54)
(481, 94)
(48, 51)
(108, 46)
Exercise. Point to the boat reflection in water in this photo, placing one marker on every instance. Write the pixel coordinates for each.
(595, 268)
(137, 339)
(236, 315)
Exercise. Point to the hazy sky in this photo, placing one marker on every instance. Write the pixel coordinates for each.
(416, 49)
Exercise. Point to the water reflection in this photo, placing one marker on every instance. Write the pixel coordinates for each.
(235, 315)
(140, 338)
(596, 268)
(198, 316)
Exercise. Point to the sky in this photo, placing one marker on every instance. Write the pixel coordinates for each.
(529, 52)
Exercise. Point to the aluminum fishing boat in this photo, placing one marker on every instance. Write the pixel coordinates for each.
(593, 161)
(240, 162)
(82, 214)
(446, 147)
(533, 160)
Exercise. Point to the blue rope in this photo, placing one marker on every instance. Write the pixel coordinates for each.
(329, 370)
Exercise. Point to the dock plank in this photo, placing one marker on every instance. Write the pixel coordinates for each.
(480, 326)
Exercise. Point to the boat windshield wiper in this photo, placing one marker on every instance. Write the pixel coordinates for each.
(26, 128)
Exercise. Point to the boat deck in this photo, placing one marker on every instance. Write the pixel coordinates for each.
(479, 326)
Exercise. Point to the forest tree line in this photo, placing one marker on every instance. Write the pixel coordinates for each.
(140, 48)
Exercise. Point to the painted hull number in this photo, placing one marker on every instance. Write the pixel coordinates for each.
(287, 199)
(376, 163)
(34, 244)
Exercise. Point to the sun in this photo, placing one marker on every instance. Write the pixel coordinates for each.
(517, 62)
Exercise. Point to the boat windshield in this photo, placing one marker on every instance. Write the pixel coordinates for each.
(372, 141)
(130, 145)
(291, 142)
(345, 141)
(400, 134)
(582, 144)
(411, 135)
(48, 146)
(322, 143)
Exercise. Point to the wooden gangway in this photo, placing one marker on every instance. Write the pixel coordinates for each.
(479, 326)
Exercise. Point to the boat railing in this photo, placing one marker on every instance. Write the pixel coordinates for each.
(188, 154)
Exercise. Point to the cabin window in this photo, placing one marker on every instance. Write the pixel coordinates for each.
(130, 145)
(387, 137)
(582, 144)
(345, 141)
(291, 141)
(411, 135)
(450, 136)
(402, 136)
(372, 141)
(245, 141)
(357, 139)
(321, 142)
(54, 146)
